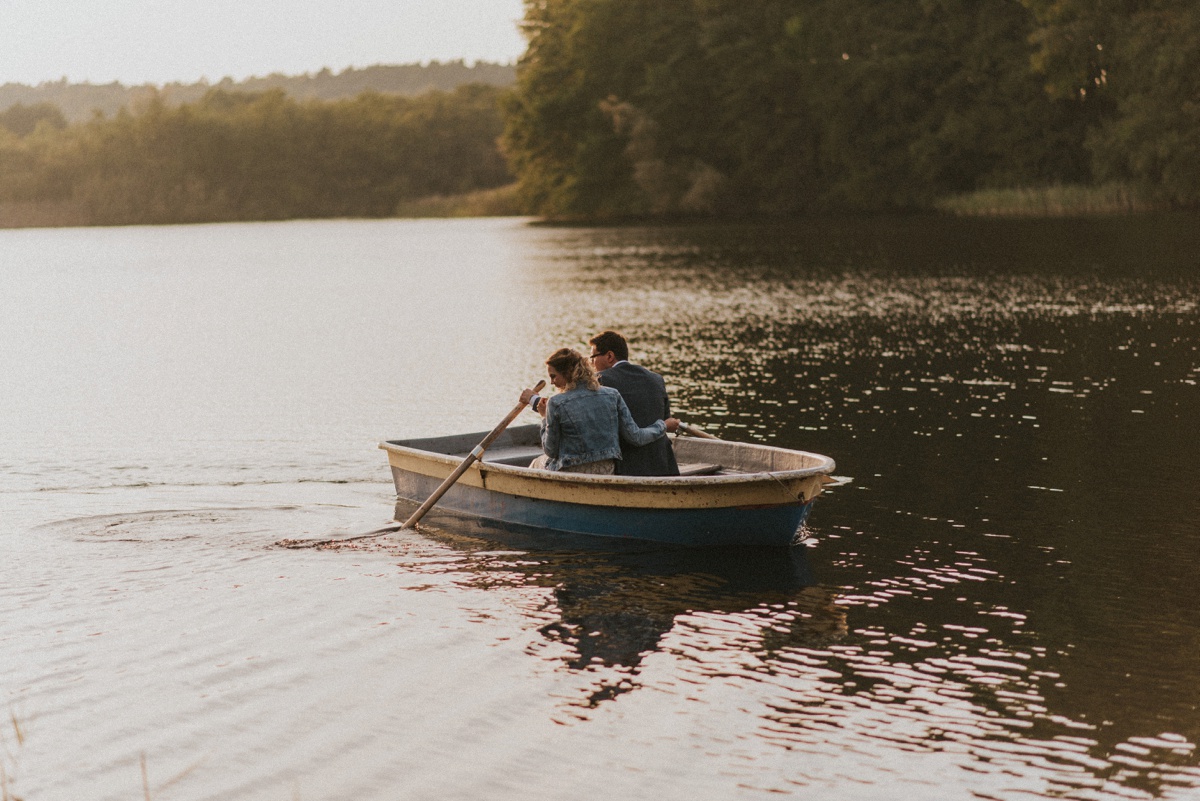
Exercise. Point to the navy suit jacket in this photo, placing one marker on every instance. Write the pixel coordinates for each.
(645, 394)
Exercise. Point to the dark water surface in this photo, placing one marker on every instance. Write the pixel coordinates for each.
(1000, 603)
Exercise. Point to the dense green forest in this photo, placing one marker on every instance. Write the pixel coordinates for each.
(624, 107)
(79, 101)
(248, 156)
(628, 108)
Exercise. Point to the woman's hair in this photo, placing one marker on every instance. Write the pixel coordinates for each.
(571, 365)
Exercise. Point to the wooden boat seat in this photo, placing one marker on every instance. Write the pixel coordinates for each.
(699, 469)
(517, 456)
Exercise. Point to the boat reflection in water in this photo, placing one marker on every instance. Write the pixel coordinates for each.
(610, 608)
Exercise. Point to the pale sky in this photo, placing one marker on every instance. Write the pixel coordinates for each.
(158, 41)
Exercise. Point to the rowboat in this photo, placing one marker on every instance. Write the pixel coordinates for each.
(727, 493)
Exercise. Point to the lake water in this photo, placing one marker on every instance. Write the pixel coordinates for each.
(1000, 602)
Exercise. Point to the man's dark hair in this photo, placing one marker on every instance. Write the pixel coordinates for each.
(611, 340)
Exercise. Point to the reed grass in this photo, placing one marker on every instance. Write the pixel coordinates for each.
(1061, 200)
(7, 756)
(503, 201)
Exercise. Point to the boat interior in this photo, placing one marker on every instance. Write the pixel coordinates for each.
(520, 445)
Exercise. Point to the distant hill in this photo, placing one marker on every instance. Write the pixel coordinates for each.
(79, 101)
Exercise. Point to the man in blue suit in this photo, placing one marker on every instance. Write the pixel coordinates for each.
(645, 394)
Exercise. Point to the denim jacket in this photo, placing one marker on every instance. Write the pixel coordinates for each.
(585, 425)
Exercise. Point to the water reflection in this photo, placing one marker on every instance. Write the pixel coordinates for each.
(608, 607)
(1009, 568)
(1001, 605)
(934, 659)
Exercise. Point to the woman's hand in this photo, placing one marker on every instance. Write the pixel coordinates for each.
(527, 396)
(672, 424)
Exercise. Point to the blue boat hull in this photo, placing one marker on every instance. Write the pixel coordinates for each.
(775, 525)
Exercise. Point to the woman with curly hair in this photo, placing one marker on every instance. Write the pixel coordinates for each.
(583, 425)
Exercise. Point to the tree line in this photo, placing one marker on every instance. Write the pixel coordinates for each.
(78, 102)
(251, 156)
(675, 107)
(723, 107)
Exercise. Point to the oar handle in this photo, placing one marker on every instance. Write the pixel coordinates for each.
(472, 457)
(692, 431)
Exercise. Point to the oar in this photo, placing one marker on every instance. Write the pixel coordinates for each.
(692, 431)
(474, 455)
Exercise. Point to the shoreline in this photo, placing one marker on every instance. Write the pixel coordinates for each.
(1054, 202)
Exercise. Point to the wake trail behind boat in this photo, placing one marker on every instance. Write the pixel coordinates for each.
(290, 543)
